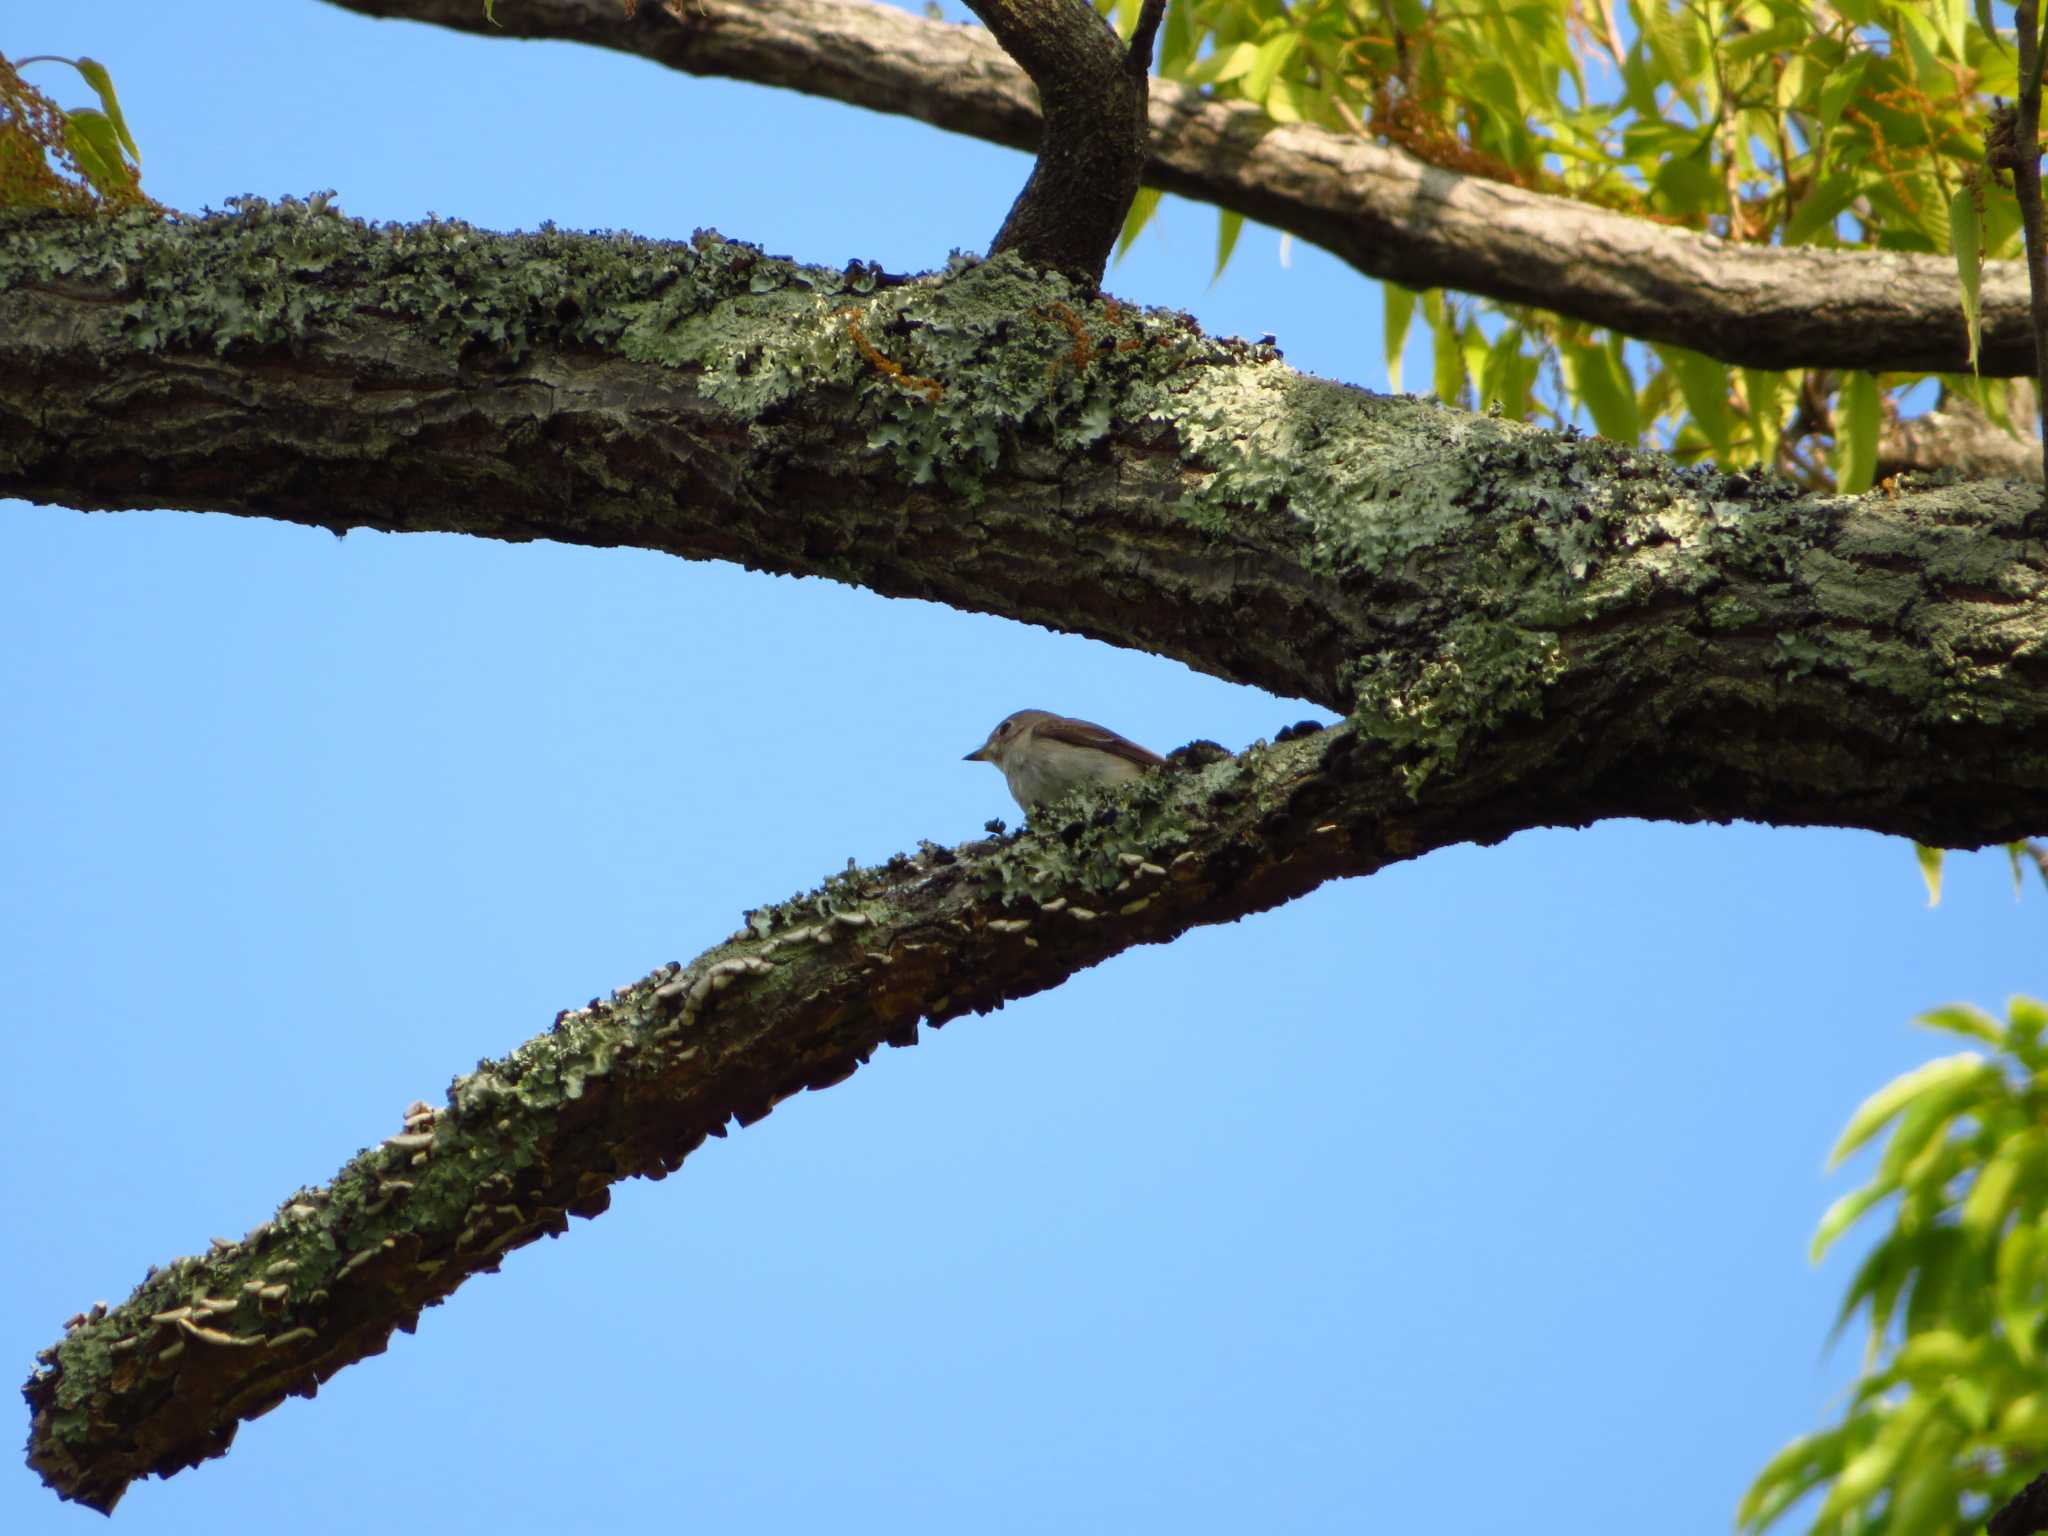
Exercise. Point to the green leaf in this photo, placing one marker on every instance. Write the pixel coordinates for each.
(1601, 385)
(1948, 16)
(1924, 1499)
(1930, 871)
(1224, 64)
(1875, 1112)
(1818, 210)
(1856, 418)
(1965, 237)
(1844, 1214)
(1988, 23)
(1449, 375)
(1704, 383)
(1508, 375)
(1840, 85)
(1268, 60)
(1872, 1468)
(1177, 44)
(1962, 1019)
(1143, 206)
(2019, 1291)
(2027, 1019)
(1472, 342)
(1940, 1352)
(1229, 225)
(102, 83)
(1879, 1279)
(1400, 310)
(1280, 103)
(1787, 1476)
(1767, 394)
(90, 137)
(1990, 1197)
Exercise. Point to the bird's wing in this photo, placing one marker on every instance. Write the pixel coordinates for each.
(1086, 733)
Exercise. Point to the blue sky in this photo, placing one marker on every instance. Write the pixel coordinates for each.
(1473, 1195)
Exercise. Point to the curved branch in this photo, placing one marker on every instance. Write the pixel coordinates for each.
(1379, 209)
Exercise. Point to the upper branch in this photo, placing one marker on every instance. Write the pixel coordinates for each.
(1380, 209)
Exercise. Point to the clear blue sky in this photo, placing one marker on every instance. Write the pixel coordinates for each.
(1473, 1197)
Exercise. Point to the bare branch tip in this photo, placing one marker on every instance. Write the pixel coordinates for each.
(1138, 58)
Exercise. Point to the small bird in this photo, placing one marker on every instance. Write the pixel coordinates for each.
(1044, 756)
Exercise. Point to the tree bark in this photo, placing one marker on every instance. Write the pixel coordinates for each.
(1093, 150)
(1379, 209)
(1524, 629)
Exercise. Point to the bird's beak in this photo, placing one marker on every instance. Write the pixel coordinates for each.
(978, 755)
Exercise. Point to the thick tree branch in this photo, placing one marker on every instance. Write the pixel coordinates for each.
(1526, 630)
(1379, 209)
(993, 441)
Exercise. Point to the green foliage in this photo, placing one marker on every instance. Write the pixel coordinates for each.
(2021, 853)
(76, 160)
(1760, 121)
(1950, 1414)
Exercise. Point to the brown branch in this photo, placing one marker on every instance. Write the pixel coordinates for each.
(1381, 210)
(2020, 130)
(1092, 150)
(1959, 438)
(632, 1084)
(2025, 1513)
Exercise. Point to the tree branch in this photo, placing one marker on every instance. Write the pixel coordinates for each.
(1092, 90)
(1379, 209)
(993, 440)
(1526, 630)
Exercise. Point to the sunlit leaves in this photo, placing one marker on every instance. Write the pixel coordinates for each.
(54, 157)
(1856, 422)
(1136, 217)
(1966, 234)
(1949, 1410)
(1762, 121)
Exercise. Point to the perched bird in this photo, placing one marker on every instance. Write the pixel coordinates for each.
(1044, 756)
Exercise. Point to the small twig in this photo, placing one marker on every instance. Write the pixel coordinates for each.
(2015, 144)
(1092, 90)
(1138, 57)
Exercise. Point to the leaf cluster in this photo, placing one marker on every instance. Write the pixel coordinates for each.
(1766, 121)
(1950, 1412)
(76, 161)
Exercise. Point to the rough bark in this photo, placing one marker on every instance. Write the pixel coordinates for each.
(1524, 629)
(1379, 209)
(1092, 90)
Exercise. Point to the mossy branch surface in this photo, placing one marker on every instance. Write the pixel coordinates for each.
(996, 440)
(798, 998)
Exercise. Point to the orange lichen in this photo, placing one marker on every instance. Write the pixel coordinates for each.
(1083, 352)
(931, 389)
